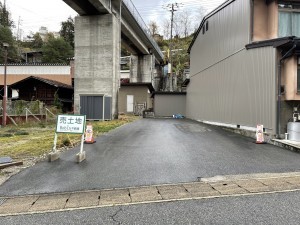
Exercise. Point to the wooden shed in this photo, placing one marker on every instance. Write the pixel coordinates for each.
(37, 88)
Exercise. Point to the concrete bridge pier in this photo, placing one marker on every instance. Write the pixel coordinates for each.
(142, 68)
(97, 57)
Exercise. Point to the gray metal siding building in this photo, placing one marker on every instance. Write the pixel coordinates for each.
(228, 83)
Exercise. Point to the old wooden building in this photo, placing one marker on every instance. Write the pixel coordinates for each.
(45, 90)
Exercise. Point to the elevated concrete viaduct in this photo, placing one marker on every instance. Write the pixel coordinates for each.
(99, 30)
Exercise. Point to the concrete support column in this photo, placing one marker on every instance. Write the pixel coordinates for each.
(135, 73)
(142, 68)
(97, 58)
(158, 75)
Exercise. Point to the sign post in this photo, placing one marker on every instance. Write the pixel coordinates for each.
(69, 124)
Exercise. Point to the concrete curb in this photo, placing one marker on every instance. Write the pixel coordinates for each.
(214, 187)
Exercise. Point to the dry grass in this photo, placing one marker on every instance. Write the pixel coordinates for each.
(36, 139)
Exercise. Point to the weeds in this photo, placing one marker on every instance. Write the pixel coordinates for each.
(36, 139)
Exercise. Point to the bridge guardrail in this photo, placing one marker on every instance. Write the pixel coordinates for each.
(134, 12)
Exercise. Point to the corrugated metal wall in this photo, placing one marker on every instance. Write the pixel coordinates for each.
(230, 84)
(238, 90)
(228, 32)
(92, 107)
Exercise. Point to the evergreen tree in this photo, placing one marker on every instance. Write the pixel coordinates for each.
(67, 31)
(37, 42)
(5, 17)
(56, 50)
(7, 37)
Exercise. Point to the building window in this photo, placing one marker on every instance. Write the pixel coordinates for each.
(206, 25)
(289, 21)
(203, 29)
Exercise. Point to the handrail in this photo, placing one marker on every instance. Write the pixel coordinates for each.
(134, 12)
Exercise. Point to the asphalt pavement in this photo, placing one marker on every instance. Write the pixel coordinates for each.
(151, 152)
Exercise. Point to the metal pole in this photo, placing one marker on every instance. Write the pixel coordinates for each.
(170, 47)
(4, 102)
(286, 55)
(172, 8)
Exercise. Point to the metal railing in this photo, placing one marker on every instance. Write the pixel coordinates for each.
(134, 12)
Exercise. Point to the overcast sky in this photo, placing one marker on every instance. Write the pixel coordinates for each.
(32, 14)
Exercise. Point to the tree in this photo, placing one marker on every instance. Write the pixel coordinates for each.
(5, 17)
(201, 12)
(56, 50)
(67, 31)
(153, 27)
(7, 37)
(166, 28)
(37, 42)
(180, 57)
(185, 23)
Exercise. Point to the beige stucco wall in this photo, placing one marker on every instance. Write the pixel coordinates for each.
(265, 20)
(168, 105)
(273, 20)
(140, 94)
(289, 79)
(13, 78)
(260, 20)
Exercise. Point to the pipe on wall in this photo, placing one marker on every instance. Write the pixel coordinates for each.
(251, 20)
(286, 55)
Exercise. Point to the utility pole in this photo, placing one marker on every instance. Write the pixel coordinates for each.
(4, 101)
(172, 8)
(18, 29)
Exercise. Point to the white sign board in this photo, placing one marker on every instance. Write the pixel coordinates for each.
(73, 124)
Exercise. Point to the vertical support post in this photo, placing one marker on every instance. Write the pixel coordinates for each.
(26, 114)
(81, 144)
(103, 107)
(54, 155)
(55, 142)
(81, 155)
(4, 102)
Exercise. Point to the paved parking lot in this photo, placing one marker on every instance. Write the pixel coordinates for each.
(153, 152)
